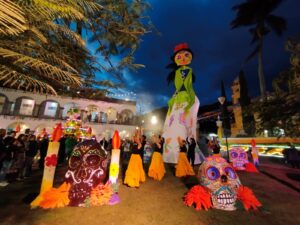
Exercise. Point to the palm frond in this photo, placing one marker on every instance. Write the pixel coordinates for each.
(12, 21)
(277, 23)
(44, 69)
(66, 33)
(13, 79)
(51, 9)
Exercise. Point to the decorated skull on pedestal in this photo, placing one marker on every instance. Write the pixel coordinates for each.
(239, 158)
(88, 167)
(221, 180)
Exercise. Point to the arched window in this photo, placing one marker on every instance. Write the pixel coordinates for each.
(67, 107)
(24, 106)
(48, 108)
(3, 103)
(93, 112)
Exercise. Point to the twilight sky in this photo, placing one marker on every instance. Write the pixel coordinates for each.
(219, 52)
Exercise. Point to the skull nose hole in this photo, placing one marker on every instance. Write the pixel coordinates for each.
(223, 178)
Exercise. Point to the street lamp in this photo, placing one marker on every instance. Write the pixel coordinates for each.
(225, 121)
(153, 120)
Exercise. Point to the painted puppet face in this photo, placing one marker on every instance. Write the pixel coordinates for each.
(87, 169)
(222, 181)
(239, 158)
(183, 58)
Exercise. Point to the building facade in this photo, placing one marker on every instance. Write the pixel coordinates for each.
(38, 112)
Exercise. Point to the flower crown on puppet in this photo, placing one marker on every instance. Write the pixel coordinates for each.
(180, 47)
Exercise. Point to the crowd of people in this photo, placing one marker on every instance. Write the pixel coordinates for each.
(19, 153)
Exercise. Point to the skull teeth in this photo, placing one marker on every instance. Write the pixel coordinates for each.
(225, 199)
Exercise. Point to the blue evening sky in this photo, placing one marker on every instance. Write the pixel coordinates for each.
(219, 52)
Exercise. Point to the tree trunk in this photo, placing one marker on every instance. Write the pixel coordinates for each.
(261, 76)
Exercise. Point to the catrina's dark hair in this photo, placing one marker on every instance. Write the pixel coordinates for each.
(173, 66)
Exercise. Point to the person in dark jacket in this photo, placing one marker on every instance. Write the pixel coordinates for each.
(29, 155)
(43, 151)
(191, 150)
(62, 149)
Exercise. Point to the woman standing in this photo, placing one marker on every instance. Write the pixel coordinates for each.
(183, 167)
(183, 106)
(157, 168)
(135, 172)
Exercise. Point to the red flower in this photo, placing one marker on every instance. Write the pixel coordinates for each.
(51, 160)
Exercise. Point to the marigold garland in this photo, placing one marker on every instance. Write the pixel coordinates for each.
(246, 196)
(56, 197)
(200, 196)
(101, 194)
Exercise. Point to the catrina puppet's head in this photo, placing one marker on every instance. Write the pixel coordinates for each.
(182, 55)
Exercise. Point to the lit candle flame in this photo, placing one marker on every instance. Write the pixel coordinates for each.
(116, 142)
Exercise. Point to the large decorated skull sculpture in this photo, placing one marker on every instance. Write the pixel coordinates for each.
(220, 178)
(88, 167)
(239, 158)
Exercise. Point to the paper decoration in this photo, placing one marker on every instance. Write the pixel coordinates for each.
(181, 119)
(50, 164)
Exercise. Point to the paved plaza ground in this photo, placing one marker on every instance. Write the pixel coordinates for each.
(160, 203)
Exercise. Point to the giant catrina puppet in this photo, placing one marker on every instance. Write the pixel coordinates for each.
(85, 180)
(183, 106)
(219, 188)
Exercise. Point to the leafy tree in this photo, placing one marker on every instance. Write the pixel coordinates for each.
(281, 110)
(257, 14)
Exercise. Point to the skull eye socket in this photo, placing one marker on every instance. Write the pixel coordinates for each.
(212, 173)
(234, 154)
(93, 160)
(74, 162)
(243, 155)
(230, 172)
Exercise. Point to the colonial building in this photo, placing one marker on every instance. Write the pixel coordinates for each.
(41, 112)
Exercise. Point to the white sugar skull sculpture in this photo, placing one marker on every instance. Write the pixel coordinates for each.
(239, 158)
(219, 188)
(222, 181)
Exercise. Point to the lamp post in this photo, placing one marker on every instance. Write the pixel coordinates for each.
(225, 121)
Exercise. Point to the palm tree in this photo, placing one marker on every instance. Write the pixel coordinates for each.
(42, 51)
(257, 14)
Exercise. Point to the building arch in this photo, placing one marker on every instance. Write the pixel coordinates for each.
(111, 114)
(17, 126)
(67, 107)
(92, 113)
(126, 116)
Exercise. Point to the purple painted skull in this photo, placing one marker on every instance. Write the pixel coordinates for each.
(87, 169)
(239, 158)
(222, 181)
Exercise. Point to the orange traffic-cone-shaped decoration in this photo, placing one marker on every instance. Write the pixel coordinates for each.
(50, 164)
